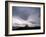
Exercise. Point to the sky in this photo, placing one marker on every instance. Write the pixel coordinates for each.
(27, 15)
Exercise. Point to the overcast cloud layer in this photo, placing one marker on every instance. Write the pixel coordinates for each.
(26, 15)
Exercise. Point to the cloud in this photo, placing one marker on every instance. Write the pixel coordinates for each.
(26, 15)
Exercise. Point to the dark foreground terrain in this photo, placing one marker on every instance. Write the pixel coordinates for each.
(25, 28)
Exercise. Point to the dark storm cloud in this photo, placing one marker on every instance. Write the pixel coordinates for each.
(24, 12)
